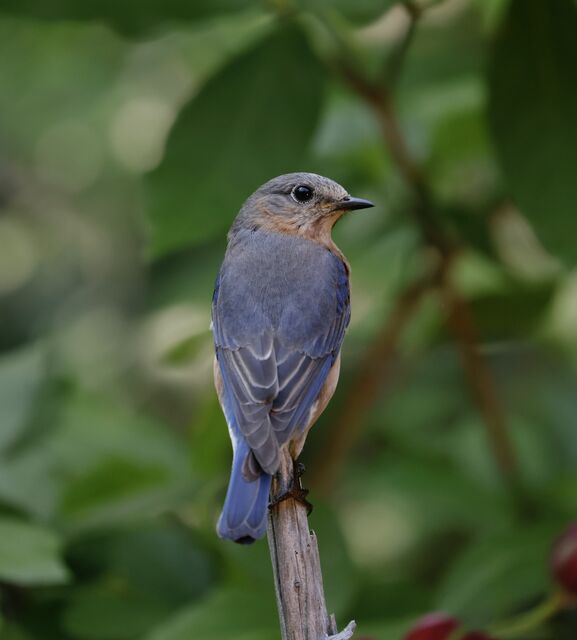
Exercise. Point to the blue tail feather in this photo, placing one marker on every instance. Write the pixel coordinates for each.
(243, 517)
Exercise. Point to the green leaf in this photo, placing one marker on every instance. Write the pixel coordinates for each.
(389, 629)
(533, 102)
(99, 614)
(498, 573)
(12, 632)
(94, 428)
(228, 613)
(124, 16)
(164, 562)
(29, 554)
(511, 313)
(116, 463)
(357, 11)
(28, 482)
(114, 487)
(251, 122)
(21, 374)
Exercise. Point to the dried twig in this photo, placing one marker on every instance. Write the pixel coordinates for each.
(296, 568)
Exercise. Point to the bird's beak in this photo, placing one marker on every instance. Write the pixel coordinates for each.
(351, 204)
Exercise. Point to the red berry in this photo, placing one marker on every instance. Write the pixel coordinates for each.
(433, 626)
(564, 559)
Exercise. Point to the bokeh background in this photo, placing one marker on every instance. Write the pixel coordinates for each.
(130, 134)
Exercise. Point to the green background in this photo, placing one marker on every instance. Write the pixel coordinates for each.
(446, 464)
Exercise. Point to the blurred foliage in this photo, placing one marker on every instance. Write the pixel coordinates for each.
(129, 137)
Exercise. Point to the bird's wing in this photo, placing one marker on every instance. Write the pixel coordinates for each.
(270, 384)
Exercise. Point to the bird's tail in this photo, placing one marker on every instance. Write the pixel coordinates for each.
(243, 517)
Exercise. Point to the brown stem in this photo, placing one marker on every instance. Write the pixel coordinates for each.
(460, 318)
(391, 70)
(462, 325)
(296, 567)
(382, 106)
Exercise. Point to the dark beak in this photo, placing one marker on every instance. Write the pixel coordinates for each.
(351, 204)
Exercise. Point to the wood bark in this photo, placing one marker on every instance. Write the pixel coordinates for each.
(296, 568)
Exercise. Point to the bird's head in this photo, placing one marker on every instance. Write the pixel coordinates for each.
(298, 203)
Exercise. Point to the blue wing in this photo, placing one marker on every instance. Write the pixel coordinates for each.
(273, 375)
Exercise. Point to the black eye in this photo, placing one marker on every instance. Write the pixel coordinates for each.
(302, 193)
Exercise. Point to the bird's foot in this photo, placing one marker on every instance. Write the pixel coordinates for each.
(298, 470)
(295, 491)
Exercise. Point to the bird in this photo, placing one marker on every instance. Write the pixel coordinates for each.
(280, 309)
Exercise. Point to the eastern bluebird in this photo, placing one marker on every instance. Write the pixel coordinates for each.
(279, 313)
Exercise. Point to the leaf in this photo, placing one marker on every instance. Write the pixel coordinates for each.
(114, 488)
(124, 16)
(460, 164)
(357, 11)
(21, 375)
(249, 123)
(12, 632)
(498, 573)
(94, 428)
(116, 463)
(97, 614)
(513, 312)
(389, 629)
(29, 554)
(28, 482)
(228, 613)
(164, 562)
(59, 73)
(532, 107)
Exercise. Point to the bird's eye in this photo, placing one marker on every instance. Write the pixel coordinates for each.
(302, 193)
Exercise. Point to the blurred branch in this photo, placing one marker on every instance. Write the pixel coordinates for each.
(381, 103)
(377, 95)
(296, 567)
(364, 391)
(462, 324)
(393, 64)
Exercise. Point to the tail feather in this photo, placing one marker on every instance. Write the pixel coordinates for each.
(243, 517)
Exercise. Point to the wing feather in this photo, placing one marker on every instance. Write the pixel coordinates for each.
(271, 380)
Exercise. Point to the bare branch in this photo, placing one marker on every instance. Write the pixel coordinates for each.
(296, 568)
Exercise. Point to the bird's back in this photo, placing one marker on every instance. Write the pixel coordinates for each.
(279, 283)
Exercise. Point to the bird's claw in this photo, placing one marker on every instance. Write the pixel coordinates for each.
(296, 490)
(296, 493)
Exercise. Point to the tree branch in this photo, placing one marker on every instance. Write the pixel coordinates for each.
(460, 318)
(462, 325)
(392, 68)
(296, 568)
